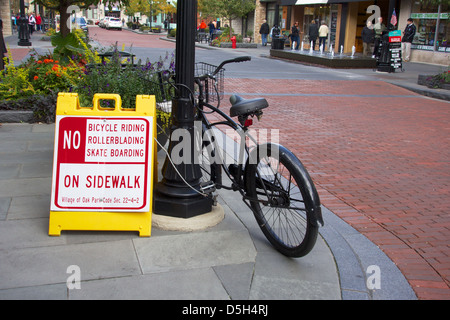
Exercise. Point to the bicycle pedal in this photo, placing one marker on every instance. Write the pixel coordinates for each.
(208, 187)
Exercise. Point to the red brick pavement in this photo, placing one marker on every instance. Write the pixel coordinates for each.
(18, 54)
(380, 157)
(128, 39)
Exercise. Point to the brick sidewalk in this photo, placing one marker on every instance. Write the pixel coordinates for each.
(379, 155)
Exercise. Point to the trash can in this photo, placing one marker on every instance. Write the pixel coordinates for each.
(278, 42)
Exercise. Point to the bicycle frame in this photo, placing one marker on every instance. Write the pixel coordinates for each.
(244, 149)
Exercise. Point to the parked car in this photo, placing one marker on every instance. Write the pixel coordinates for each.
(80, 22)
(77, 22)
(114, 23)
(102, 23)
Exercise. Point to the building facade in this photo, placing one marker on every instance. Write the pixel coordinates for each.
(346, 19)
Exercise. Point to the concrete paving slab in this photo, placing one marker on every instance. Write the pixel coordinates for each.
(201, 284)
(29, 206)
(194, 250)
(236, 279)
(25, 187)
(9, 170)
(45, 292)
(296, 278)
(4, 206)
(48, 265)
(27, 233)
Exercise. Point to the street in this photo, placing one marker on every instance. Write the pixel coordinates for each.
(379, 154)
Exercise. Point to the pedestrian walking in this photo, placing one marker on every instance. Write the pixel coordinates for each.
(295, 35)
(368, 36)
(211, 27)
(379, 28)
(313, 33)
(323, 34)
(38, 22)
(202, 26)
(13, 22)
(264, 31)
(408, 37)
(31, 23)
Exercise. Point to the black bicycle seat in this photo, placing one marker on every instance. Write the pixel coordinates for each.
(241, 106)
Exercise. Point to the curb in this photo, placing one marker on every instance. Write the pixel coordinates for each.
(15, 116)
(441, 94)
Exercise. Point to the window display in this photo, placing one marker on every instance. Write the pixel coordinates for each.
(425, 18)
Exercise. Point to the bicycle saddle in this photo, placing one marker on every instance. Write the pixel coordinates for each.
(241, 106)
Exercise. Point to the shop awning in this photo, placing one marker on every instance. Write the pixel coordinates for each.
(343, 1)
(288, 2)
(304, 2)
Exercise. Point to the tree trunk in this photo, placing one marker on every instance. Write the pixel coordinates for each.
(64, 20)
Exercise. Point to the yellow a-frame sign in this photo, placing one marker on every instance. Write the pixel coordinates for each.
(104, 165)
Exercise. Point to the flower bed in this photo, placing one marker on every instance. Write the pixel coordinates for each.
(438, 81)
(31, 88)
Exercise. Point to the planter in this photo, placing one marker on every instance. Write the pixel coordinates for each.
(36, 108)
(239, 45)
(16, 116)
(422, 79)
(430, 81)
(446, 86)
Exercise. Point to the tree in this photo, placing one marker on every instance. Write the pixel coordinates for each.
(145, 6)
(66, 7)
(228, 9)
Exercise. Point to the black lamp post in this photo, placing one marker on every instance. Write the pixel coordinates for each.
(173, 197)
(24, 36)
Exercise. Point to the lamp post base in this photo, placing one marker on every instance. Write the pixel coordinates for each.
(181, 207)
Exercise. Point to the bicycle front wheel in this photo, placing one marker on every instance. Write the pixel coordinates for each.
(283, 198)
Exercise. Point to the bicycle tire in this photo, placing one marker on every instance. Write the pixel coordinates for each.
(283, 202)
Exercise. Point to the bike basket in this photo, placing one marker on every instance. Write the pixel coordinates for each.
(162, 91)
(202, 68)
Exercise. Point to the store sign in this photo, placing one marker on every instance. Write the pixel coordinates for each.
(429, 15)
(101, 164)
(395, 36)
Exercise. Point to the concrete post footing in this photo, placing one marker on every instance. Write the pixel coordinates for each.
(200, 222)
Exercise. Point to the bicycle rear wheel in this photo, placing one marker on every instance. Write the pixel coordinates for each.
(283, 198)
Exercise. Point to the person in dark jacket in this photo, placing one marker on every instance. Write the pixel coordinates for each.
(264, 31)
(313, 33)
(408, 36)
(368, 37)
(295, 35)
(211, 27)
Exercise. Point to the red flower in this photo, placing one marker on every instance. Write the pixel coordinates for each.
(36, 77)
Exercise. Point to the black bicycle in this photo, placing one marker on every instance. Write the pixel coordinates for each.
(271, 179)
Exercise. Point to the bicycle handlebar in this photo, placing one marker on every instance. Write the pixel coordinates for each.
(238, 59)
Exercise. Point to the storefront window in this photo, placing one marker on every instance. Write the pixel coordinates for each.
(319, 13)
(271, 14)
(425, 18)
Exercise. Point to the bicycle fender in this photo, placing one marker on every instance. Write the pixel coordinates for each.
(310, 195)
